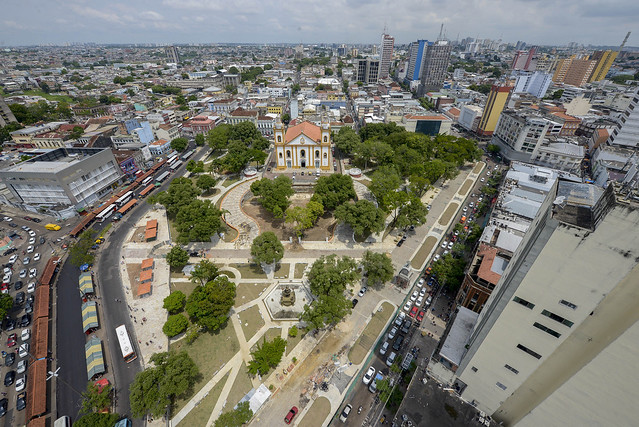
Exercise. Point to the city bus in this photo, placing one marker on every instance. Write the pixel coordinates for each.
(164, 175)
(147, 180)
(106, 213)
(124, 199)
(171, 159)
(128, 352)
(175, 165)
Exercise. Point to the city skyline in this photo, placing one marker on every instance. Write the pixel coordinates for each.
(213, 21)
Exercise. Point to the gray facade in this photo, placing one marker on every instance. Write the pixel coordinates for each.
(63, 177)
(367, 70)
(435, 65)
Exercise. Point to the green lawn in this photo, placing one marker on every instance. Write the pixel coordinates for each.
(48, 96)
(299, 271)
(241, 386)
(200, 415)
(422, 253)
(247, 292)
(209, 352)
(230, 181)
(185, 287)
(228, 274)
(251, 321)
(250, 271)
(365, 341)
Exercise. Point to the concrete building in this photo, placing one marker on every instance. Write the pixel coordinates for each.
(525, 60)
(160, 147)
(536, 83)
(495, 103)
(63, 177)
(604, 59)
(386, 55)
(520, 132)
(435, 66)
(172, 54)
(627, 132)
(6, 115)
(469, 117)
(367, 70)
(303, 146)
(433, 124)
(415, 60)
(563, 313)
(574, 71)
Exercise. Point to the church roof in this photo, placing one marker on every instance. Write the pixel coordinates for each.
(309, 129)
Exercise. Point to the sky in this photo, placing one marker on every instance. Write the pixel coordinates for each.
(553, 22)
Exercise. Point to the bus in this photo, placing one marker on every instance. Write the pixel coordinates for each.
(128, 352)
(171, 159)
(106, 213)
(187, 155)
(146, 181)
(124, 199)
(164, 175)
(147, 190)
(175, 165)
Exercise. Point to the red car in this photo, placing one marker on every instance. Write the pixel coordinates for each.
(428, 270)
(12, 340)
(413, 311)
(420, 316)
(4, 288)
(291, 414)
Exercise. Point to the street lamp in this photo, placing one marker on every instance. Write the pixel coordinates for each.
(57, 376)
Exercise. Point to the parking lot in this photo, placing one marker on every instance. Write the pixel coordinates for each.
(27, 246)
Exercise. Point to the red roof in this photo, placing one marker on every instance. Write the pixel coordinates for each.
(147, 263)
(36, 389)
(144, 288)
(39, 343)
(307, 128)
(485, 268)
(150, 233)
(146, 275)
(41, 309)
(152, 223)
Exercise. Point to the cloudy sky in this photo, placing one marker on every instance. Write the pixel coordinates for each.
(598, 22)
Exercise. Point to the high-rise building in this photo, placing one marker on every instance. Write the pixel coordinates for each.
(525, 60)
(6, 115)
(435, 65)
(172, 54)
(497, 99)
(519, 132)
(535, 83)
(415, 59)
(626, 134)
(367, 70)
(604, 59)
(574, 71)
(386, 55)
(557, 340)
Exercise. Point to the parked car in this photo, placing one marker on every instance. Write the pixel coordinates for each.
(31, 287)
(30, 249)
(36, 257)
(436, 258)
(398, 343)
(32, 241)
(368, 376)
(345, 412)
(420, 283)
(392, 333)
(22, 366)
(25, 334)
(4, 403)
(291, 414)
(25, 320)
(12, 340)
(413, 311)
(19, 284)
(407, 306)
(444, 244)
(8, 218)
(19, 300)
(419, 301)
(391, 358)
(420, 316)
(362, 291)
(20, 384)
(24, 350)
(4, 288)
(9, 324)
(21, 401)
(33, 273)
(355, 301)
(406, 326)
(23, 273)
(31, 233)
(429, 300)
(13, 258)
(10, 358)
(42, 240)
(9, 378)
(414, 296)
(7, 278)
(384, 348)
(400, 318)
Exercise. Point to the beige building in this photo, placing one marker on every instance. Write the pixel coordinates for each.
(303, 146)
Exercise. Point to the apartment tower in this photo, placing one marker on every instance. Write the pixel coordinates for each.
(386, 55)
(497, 99)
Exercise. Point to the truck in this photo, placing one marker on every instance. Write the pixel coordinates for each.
(53, 227)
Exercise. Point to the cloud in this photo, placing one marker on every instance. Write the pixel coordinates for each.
(151, 15)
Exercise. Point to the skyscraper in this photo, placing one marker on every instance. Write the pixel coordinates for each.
(172, 54)
(574, 71)
(435, 65)
(367, 70)
(626, 134)
(386, 55)
(6, 115)
(604, 59)
(415, 59)
(558, 339)
(494, 106)
(525, 61)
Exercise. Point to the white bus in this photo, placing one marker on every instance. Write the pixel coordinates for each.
(171, 159)
(147, 180)
(128, 352)
(124, 199)
(175, 165)
(106, 213)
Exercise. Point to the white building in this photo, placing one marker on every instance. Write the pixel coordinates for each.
(519, 134)
(386, 55)
(536, 83)
(627, 133)
(303, 146)
(469, 117)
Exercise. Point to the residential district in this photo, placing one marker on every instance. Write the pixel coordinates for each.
(440, 233)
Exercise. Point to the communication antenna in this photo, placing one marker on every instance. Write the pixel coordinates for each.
(441, 30)
(624, 42)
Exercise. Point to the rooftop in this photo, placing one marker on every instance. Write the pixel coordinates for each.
(454, 346)
(54, 161)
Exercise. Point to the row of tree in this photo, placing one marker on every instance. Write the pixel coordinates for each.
(243, 143)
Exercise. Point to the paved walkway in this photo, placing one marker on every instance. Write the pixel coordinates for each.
(235, 216)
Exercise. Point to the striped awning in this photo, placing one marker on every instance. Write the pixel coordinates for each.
(89, 316)
(95, 358)
(86, 284)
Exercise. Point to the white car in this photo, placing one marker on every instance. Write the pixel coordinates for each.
(384, 348)
(450, 245)
(465, 209)
(7, 270)
(446, 252)
(32, 241)
(24, 350)
(421, 282)
(420, 300)
(400, 319)
(370, 374)
(444, 244)
(392, 333)
(31, 287)
(36, 257)
(22, 366)
(482, 180)
(30, 249)
(25, 335)
(408, 306)
(8, 218)
(422, 292)
(26, 260)
(32, 233)
(20, 383)
(429, 300)
(414, 296)
(480, 199)
(13, 258)
(6, 278)
(32, 273)
(471, 205)
(23, 273)
(362, 291)
(436, 258)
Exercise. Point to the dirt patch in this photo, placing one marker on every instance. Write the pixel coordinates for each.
(465, 187)
(317, 414)
(247, 292)
(478, 167)
(185, 287)
(133, 270)
(366, 341)
(422, 253)
(448, 213)
(267, 222)
(299, 271)
(138, 235)
(251, 320)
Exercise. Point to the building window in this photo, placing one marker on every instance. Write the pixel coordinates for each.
(557, 318)
(279, 138)
(474, 369)
(501, 386)
(529, 351)
(302, 153)
(325, 138)
(288, 154)
(280, 155)
(523, 302)
(317, 153)
(325, 155)
(547, 330)
(511, 369)
(568, 304)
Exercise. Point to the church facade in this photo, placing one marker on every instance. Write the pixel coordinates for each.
(303, 146)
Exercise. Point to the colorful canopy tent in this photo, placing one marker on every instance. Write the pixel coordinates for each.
(95, 358)
(89, 317)
(86, 284)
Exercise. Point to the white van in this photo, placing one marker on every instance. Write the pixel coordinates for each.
(63, 421)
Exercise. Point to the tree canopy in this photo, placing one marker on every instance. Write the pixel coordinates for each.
(80, 253)
(378, 268)
(6, 304)
(174, 302)
(97, 419)
(179, 144)
(267, 355)
(205, 182)
(96, 398)
(177, 258)
(175, 325)
(362, 216)
(334, 190)
(209, 305)
(204, 271)
(346, 140)
(273, 194)
(304, 218)
(244, 144)
(239, 416)
(267, 248)
(171, 375)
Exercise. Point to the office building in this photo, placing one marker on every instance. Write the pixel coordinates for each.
(497, 99)
(415, 59)
(520, 132)
(368, 70)
(604, 59)
(574, 71)
(63, 177)
(469, 117)
(557, 341)
(525, 60)
(535, 84)
(6, 115)
(435, 66)
(172, 54)
(626, 134)
(386, 55)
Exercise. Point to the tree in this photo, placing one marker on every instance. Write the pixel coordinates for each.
(205, 182)
(411, 212)
(199, 140)
(45, 87)
(209, 305)
(218, 137)
(177, 258)
(6, 304)
(267, 355)
(384, 185)
(362, 216)
(239, 416)
(304, 217)
(195, 167)
(293, 331)
(273, 194)
(179, 144)
(557, 94)
(493, 148)
(347, 140)
(80, 253)
(378, 268)
(97, 419)
(334, 190)
(174, 303)
(286, 118)
(204, 272)
(76, 132)
(181, 193)
(171, 375)
(267, 248)
(5, 131)
(175, 325)
(96, 398)
(198, 221)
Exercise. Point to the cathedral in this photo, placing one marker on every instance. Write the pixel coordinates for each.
(303, 146)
